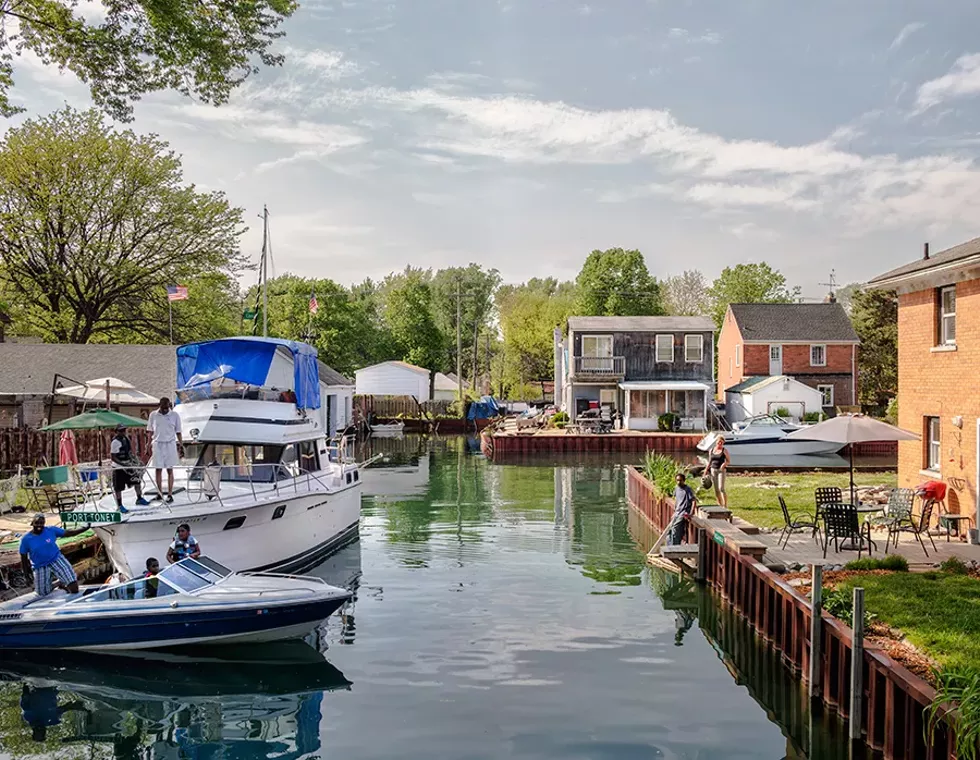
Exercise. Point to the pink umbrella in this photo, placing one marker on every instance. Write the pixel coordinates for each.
(67, 453)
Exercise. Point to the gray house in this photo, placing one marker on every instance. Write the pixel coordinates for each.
(639, 366)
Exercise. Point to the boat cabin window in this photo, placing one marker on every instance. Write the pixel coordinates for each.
(141, 588)
(239, 462)
(181, 576)
(301, 457)
(227, 388)
(206, 568)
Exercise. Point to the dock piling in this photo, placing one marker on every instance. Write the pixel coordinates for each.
(857, 666)
(816, 629)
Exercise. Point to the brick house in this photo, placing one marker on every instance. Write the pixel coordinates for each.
(938, 365)
(813, 343)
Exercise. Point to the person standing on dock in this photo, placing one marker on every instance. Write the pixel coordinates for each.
(684, 503)
(164, 425)
(717, 467)
(41, 558)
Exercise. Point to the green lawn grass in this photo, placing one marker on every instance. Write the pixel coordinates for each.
(760, 506)
(938, 612)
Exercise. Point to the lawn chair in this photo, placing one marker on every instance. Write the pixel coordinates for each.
(798, 524)
(825, 495)
(898, 518)
(841, 521)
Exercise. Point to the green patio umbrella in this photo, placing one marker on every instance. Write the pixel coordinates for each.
(97, 419)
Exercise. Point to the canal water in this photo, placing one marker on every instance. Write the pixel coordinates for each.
(500, 611)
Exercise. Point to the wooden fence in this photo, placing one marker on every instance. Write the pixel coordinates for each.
(894, 700)
(387, 407)
(27, 447)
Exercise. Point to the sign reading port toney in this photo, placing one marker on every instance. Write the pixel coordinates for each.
(90, 517)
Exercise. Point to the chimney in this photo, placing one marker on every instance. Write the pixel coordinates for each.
(925, 251)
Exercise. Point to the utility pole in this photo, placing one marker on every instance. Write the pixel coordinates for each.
(476, 339)
(459, 346)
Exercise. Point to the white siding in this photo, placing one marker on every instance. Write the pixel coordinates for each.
(793, 395)
(392, 379)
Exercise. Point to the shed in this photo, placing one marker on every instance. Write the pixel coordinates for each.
(446, 387)
(393, 378)
(766, 395)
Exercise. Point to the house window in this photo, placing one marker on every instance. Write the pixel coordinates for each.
(818, 356)
(665, 349)
(933, 443)
(947, 316)
(647, 404)
(827, 391)
(597, 345)
(694, 349)
(738, 354)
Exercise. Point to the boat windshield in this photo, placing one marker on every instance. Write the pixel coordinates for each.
(215, 567)
(202, 570)
(184, 578)
(140, 588)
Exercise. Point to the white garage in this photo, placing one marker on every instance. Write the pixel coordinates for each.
(393, 378)
(767, 395)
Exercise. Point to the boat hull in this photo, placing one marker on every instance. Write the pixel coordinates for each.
(286, 534)
(779, 447)
(172, 627)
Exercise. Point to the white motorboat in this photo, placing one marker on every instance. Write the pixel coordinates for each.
(260, 487)
(197, 602)
(390, 428)
(765, 436)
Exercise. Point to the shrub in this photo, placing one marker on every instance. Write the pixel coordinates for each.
(783, 412)
(954, 566)
(894, 562)
(559, 417)
(839, 602)
(960, 687)
(661, 470)
(811, 417)
(666, 422)
(560, 425)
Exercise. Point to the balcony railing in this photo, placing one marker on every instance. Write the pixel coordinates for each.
(599, 366)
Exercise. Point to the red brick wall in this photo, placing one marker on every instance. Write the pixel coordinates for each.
(940, 384)
(728, 373)
(796, 360)
(756, 359)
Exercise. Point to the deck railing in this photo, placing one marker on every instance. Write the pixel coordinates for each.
(599, 366)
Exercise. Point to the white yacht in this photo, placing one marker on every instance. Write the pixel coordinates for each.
(765, 435)
(260, 486)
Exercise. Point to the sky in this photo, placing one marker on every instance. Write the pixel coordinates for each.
(522, 134)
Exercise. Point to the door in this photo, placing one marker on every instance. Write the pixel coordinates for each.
(775, 360)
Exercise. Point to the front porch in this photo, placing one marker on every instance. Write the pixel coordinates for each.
(645, 402)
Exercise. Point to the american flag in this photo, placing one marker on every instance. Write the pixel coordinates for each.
(314, 304)
(176, 292)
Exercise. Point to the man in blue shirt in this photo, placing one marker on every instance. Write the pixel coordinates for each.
(41, 557)
(684, 503)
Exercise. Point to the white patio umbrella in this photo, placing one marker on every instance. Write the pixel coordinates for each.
(850, 429)
(109, 389)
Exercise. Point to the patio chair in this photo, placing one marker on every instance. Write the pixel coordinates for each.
(825, 495)
(898, 518)
(799, 524)
(841, 521)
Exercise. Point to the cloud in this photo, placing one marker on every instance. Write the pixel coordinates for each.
(330, 65)
(584, 10)
(962, 80)
(683, 35)
(907, 31)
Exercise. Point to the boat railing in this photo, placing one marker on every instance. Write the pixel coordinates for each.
(293, 576)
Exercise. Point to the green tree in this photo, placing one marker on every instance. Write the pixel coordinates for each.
(749, 283)
(875, 317)
(408, 315)
(686, 295)
(94, 223)
(476, 286)
(616, 283)
(203, 48)
(529, 314)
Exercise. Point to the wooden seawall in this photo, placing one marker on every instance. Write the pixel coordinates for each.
(892, 718)
(499, 445)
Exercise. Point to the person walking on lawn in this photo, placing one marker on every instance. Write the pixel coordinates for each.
(164, 425)
(41, 558)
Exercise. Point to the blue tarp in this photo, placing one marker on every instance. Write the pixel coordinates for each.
(483, 409)
(247, 360)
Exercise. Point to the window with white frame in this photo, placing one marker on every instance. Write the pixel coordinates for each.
(665, 349)
(738, 354)
(933, 443)
(947, 316)
(694, 349)
(818, 355)
(827, 392)
(597, 346)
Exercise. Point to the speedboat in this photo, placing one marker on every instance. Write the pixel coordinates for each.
(195, 601)
(260, 487)
(390, 428)
(765, 436)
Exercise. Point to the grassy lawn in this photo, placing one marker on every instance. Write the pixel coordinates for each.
(938, 612)
(761, 507)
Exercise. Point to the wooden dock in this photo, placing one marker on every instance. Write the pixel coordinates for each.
(499, 444)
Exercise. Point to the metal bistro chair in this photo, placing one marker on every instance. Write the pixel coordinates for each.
(898, 518)
(799, 524)
(841, 521)
(825, 495)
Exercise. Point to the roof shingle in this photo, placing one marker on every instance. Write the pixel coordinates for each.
(804, 322)
(642, 324)
(950, 255)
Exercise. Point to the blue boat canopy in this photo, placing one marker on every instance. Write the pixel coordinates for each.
(248, 360)
(483, 409)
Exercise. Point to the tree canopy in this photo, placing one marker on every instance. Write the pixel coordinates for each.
(204, 48)
(617, 283)
(95, 223)
(875, 317)
(408, 313)
(686, 295)
(749, 283)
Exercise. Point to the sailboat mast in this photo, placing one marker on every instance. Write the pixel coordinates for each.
(265, 271)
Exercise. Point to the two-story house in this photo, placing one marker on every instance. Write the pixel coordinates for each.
(813, 343)
(939, 370)
(640, 366)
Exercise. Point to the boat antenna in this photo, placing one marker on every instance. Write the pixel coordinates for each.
(831, 286)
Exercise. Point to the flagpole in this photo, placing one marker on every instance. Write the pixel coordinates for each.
(170, 309)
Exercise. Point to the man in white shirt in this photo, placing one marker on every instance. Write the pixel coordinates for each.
(164, 425)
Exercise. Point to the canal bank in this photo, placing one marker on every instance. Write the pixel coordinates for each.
(500, 611)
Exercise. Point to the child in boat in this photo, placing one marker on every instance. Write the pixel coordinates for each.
(183, 546)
